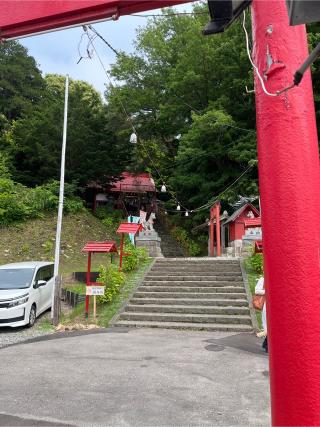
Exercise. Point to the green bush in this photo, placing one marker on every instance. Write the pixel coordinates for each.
(103, 212)
(131, 261)
(142, 254)
(256, 262)
(193, 248)
(109, 217)
(113, 281)
(188, 244)
(18, 203)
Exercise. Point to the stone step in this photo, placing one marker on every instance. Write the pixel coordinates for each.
(188, 309)
(177, 278)
(142, 293)
(186, 318)
(198, 260)
(191, 278)
(191, 302)
(192, 283)
(155, 270)
(193, 289)
(177, 264)
(186, 326)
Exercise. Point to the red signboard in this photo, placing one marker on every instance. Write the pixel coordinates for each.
(252, 222)
(129, 227)
(19, 18)
(100, 247)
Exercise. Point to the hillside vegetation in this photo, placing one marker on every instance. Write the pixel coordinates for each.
(183, 93)
(35, 240)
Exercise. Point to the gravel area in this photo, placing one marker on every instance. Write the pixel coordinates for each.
(9, 336)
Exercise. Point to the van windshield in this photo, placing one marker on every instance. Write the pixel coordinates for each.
(15, 278)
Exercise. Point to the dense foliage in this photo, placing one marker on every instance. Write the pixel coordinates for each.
(186, 94)
(31, 118)
(19, 203)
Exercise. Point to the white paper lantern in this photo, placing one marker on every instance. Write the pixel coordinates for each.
(133, 138)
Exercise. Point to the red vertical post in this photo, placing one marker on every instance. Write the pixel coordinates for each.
(218, 230)
(121, 251)
(289, 187)
(88, 284)
(211, 232)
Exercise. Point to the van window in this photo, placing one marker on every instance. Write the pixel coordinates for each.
(45, 273)
(15, 278)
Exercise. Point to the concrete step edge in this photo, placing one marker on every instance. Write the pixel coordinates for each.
(186, 326)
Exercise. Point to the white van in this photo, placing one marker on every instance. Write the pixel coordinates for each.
(25, 292)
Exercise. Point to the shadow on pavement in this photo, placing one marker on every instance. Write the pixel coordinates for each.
(245, 342)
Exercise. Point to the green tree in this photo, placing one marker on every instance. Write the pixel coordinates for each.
(179, 82)
(21, 83)
(93, 151)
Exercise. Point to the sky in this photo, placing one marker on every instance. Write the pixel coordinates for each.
(57, 52)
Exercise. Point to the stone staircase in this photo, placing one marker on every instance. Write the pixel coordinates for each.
(190, 293)
(169, 246)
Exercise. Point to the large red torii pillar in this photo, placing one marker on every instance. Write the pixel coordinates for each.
(289, 185)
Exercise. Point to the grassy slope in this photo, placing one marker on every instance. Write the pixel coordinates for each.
(35, 239)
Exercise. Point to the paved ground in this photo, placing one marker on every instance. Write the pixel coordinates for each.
(135, 378)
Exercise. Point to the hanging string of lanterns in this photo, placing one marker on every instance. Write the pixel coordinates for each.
(134, 140)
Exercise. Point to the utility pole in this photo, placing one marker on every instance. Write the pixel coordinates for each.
(290, 193)
(56, 286)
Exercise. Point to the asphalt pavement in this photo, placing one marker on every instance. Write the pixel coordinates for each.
(139, 377)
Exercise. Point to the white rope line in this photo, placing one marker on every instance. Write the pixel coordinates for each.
(250, 59)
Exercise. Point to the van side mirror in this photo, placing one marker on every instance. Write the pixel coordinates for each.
(39, 283)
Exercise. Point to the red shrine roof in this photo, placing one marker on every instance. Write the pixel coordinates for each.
(129, 227)
(130, 183)
(100, 247)
(238, 212)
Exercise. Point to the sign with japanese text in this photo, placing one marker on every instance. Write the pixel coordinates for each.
(95, 290)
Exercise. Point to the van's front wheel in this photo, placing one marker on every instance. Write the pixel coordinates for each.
(32, 316)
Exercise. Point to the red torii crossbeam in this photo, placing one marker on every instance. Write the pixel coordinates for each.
(20, 18)
(95, 248)
(127, 228)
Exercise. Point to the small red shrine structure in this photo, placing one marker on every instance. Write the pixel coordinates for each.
(94, 248)
(127, 228)
(243, 224)
(128, 192)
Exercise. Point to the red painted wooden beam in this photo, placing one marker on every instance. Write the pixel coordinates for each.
(20, 18)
